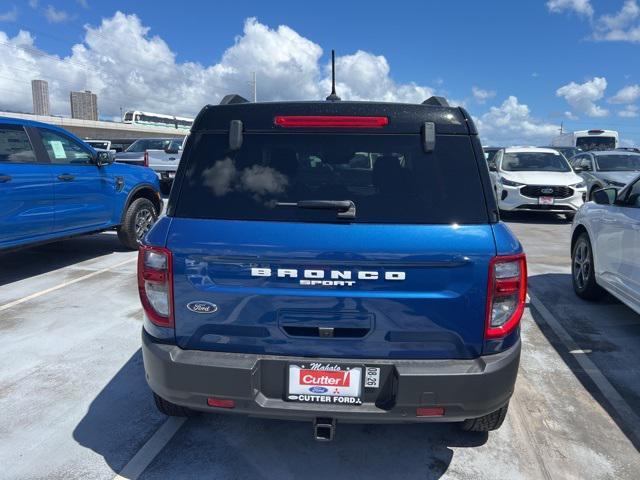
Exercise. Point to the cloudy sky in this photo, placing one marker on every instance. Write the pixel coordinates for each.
(520, 68)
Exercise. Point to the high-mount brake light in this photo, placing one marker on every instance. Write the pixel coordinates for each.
(326, 121)
(155, 284)
(507, 293)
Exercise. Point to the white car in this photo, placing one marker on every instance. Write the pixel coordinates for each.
(537, 180)
(605, 246)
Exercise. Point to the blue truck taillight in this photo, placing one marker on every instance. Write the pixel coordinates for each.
(155, 284)
(507, 293)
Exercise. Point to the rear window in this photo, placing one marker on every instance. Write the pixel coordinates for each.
(148, 144)
(389, 178)
(596, 143)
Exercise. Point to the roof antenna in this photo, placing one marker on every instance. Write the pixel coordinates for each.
(333, 97)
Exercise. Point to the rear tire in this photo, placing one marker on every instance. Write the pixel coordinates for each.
(583, 270)
(138, 219)
(489, 422)
(171, 409)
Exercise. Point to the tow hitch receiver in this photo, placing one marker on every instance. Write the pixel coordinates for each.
(324, 429)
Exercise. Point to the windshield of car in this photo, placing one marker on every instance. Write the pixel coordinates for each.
(145, 144)
(618, 163)
(596, 143)
(389, 178)
(534, 162)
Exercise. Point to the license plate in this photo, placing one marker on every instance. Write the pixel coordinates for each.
(336, 384)
(545, 200)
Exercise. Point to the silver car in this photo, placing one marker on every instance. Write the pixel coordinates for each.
(606, 168)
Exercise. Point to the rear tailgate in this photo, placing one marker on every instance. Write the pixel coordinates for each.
(161, 161)
(331, 290)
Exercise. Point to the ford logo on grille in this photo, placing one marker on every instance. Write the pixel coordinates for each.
(202, 307)
(546, 190)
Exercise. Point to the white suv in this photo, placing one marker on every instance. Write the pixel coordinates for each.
(538, 180)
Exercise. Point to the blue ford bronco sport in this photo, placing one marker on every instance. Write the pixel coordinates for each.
(53, 185)
(333, 262)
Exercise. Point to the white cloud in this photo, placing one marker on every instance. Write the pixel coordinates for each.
(127, 67)
(33, 3)
(621, 26)
(364, 76)
(628, 94)
(512, 124)
(54, 15)
(581, 7)
(570, 116)
(83, 3)
(9, 15)
(582, 97)
(630, 111)
(482, 95)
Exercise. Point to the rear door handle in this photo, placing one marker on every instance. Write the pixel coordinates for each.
(5, 178)
(65, 177)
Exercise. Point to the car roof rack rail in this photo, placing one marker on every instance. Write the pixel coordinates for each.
(436, 101)
(233, 98)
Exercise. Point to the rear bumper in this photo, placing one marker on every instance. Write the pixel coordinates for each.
(257, 383)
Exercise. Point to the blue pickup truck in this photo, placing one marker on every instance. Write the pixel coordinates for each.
(53, 185)
(333, 262)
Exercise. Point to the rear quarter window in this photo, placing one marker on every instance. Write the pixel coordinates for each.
(389, 178)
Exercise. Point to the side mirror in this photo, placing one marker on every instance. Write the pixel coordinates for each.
(605, 196)
(493, 167)
(104, 158)
(172, 151)
(578, 169)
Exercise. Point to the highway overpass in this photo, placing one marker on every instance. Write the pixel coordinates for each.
(89, 129)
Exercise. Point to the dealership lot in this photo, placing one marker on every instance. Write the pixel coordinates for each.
(75, 403)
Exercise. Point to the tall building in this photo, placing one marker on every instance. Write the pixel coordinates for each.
(84, 105)
(40, 93)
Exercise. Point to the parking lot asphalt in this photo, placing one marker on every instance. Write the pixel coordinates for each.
(74, 402)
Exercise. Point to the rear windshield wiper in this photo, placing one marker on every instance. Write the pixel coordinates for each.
(345, 208)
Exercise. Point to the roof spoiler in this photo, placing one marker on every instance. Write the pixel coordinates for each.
(436, 101)
(233, 98)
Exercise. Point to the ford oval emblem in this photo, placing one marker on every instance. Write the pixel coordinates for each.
(546, 190)
(318, 390)
(202, 307)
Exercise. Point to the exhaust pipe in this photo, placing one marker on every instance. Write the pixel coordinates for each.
(324, 429)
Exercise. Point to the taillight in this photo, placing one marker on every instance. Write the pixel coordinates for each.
(146, 158)
(155, 284)
(329, 121)
(507, 293)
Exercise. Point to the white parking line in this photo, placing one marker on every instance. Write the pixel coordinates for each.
(151, 449)
(62, 285)
(622, 408)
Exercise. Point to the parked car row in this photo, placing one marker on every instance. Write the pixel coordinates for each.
(54, 185)
(600, 189)
(542, 179)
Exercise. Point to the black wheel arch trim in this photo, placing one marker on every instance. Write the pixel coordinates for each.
(133, 194)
